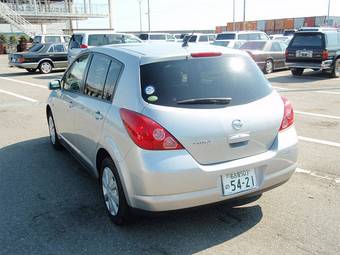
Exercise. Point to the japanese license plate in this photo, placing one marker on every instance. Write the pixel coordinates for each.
(238, 182)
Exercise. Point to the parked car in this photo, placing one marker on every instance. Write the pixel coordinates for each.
(81, 41)
(199, 38)
(157, 37)
(43, 56)
(314, 48)
(268, 55)
(234, 44)
(51, 39)
(242, 35)
(289, 32)
(165, 128)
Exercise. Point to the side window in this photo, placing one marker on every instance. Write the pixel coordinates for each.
(243, 37)
(283, 46)
(96, 76)
(275, 47)
(112, 78)
(52, 39)
(51, 49)
(253, 36)
(211, 38)
(203, 38)
(75, 41)
(59, 48)
(263, 37)
(73, 77)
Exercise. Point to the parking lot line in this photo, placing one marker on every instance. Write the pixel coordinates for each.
(318, 175)
(24, 82)
(305, 90)
(18, 96)
(318, 115)
(318, 141)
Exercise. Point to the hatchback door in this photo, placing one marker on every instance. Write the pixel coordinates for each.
(209, 131)
(92, 107)
(306, 47)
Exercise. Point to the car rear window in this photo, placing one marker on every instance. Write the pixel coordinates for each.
(235, 76)
(75, 41)
(253, 45)
(52, 39)
(36, 48)
(308, 40)
(225, 37)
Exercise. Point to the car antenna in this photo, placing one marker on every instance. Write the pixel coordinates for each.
(185, 43)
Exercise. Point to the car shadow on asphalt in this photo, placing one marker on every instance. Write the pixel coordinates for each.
(25, 73)
(50, 203)
(306, 77)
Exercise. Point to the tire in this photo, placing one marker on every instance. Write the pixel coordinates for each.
(31, 70)
(53, 132)
(268, 66)
(110, 185)
(45, 67)
(336, 69)
(297, 71)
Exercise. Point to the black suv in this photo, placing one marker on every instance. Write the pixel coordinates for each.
(314, 48)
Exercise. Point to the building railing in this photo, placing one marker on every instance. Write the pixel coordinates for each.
(58, 9)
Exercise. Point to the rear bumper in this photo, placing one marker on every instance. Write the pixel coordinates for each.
(24, 65)
(324, 65)
(163, 181)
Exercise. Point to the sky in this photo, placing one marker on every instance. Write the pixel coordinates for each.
(205, 14)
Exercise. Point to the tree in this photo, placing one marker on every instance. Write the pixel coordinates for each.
(3, 39)
(13, 40)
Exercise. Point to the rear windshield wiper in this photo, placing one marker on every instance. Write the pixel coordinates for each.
(218, 100)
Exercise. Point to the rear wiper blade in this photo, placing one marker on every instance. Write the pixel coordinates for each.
(218, 100)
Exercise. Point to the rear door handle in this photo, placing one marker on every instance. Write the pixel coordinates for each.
(98, 115)
(239, 138)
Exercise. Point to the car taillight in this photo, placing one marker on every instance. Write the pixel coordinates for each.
(286, 53)
(206, 54)
(146, 133)
(83, 46)
(21, 60)
(288, 115)
(325, 55)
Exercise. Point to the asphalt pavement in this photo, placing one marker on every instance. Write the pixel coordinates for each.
(50, 205)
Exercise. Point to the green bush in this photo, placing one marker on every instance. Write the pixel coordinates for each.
(13, 40)
(3, 39)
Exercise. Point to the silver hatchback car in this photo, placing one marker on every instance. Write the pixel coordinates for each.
(167, 127)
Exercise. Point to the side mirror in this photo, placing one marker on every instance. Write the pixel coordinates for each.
(54, 85)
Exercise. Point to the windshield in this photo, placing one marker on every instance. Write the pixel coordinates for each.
(315, 40)
(158, 37)
(36, 48)
(225, 37)
(167, 83)
(193, 38)
(221, 43)
(253, 45)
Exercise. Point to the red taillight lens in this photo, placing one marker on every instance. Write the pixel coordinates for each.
(286, 53)
(288, 115)
(83, 46)
(206, 54)
(148, 134)
(325, 55)
(21, 60)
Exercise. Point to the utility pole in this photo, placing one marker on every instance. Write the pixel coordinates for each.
(149, 16)
(329, 8)
(244, 14)
(140, 15)
(233, 15)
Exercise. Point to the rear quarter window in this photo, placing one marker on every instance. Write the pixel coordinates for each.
(235, 76)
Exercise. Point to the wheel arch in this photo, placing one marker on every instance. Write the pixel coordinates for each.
(44, 60)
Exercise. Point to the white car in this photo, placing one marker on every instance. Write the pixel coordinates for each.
(157, 37)
(200, 38)
(51, 39)
(81, 41)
